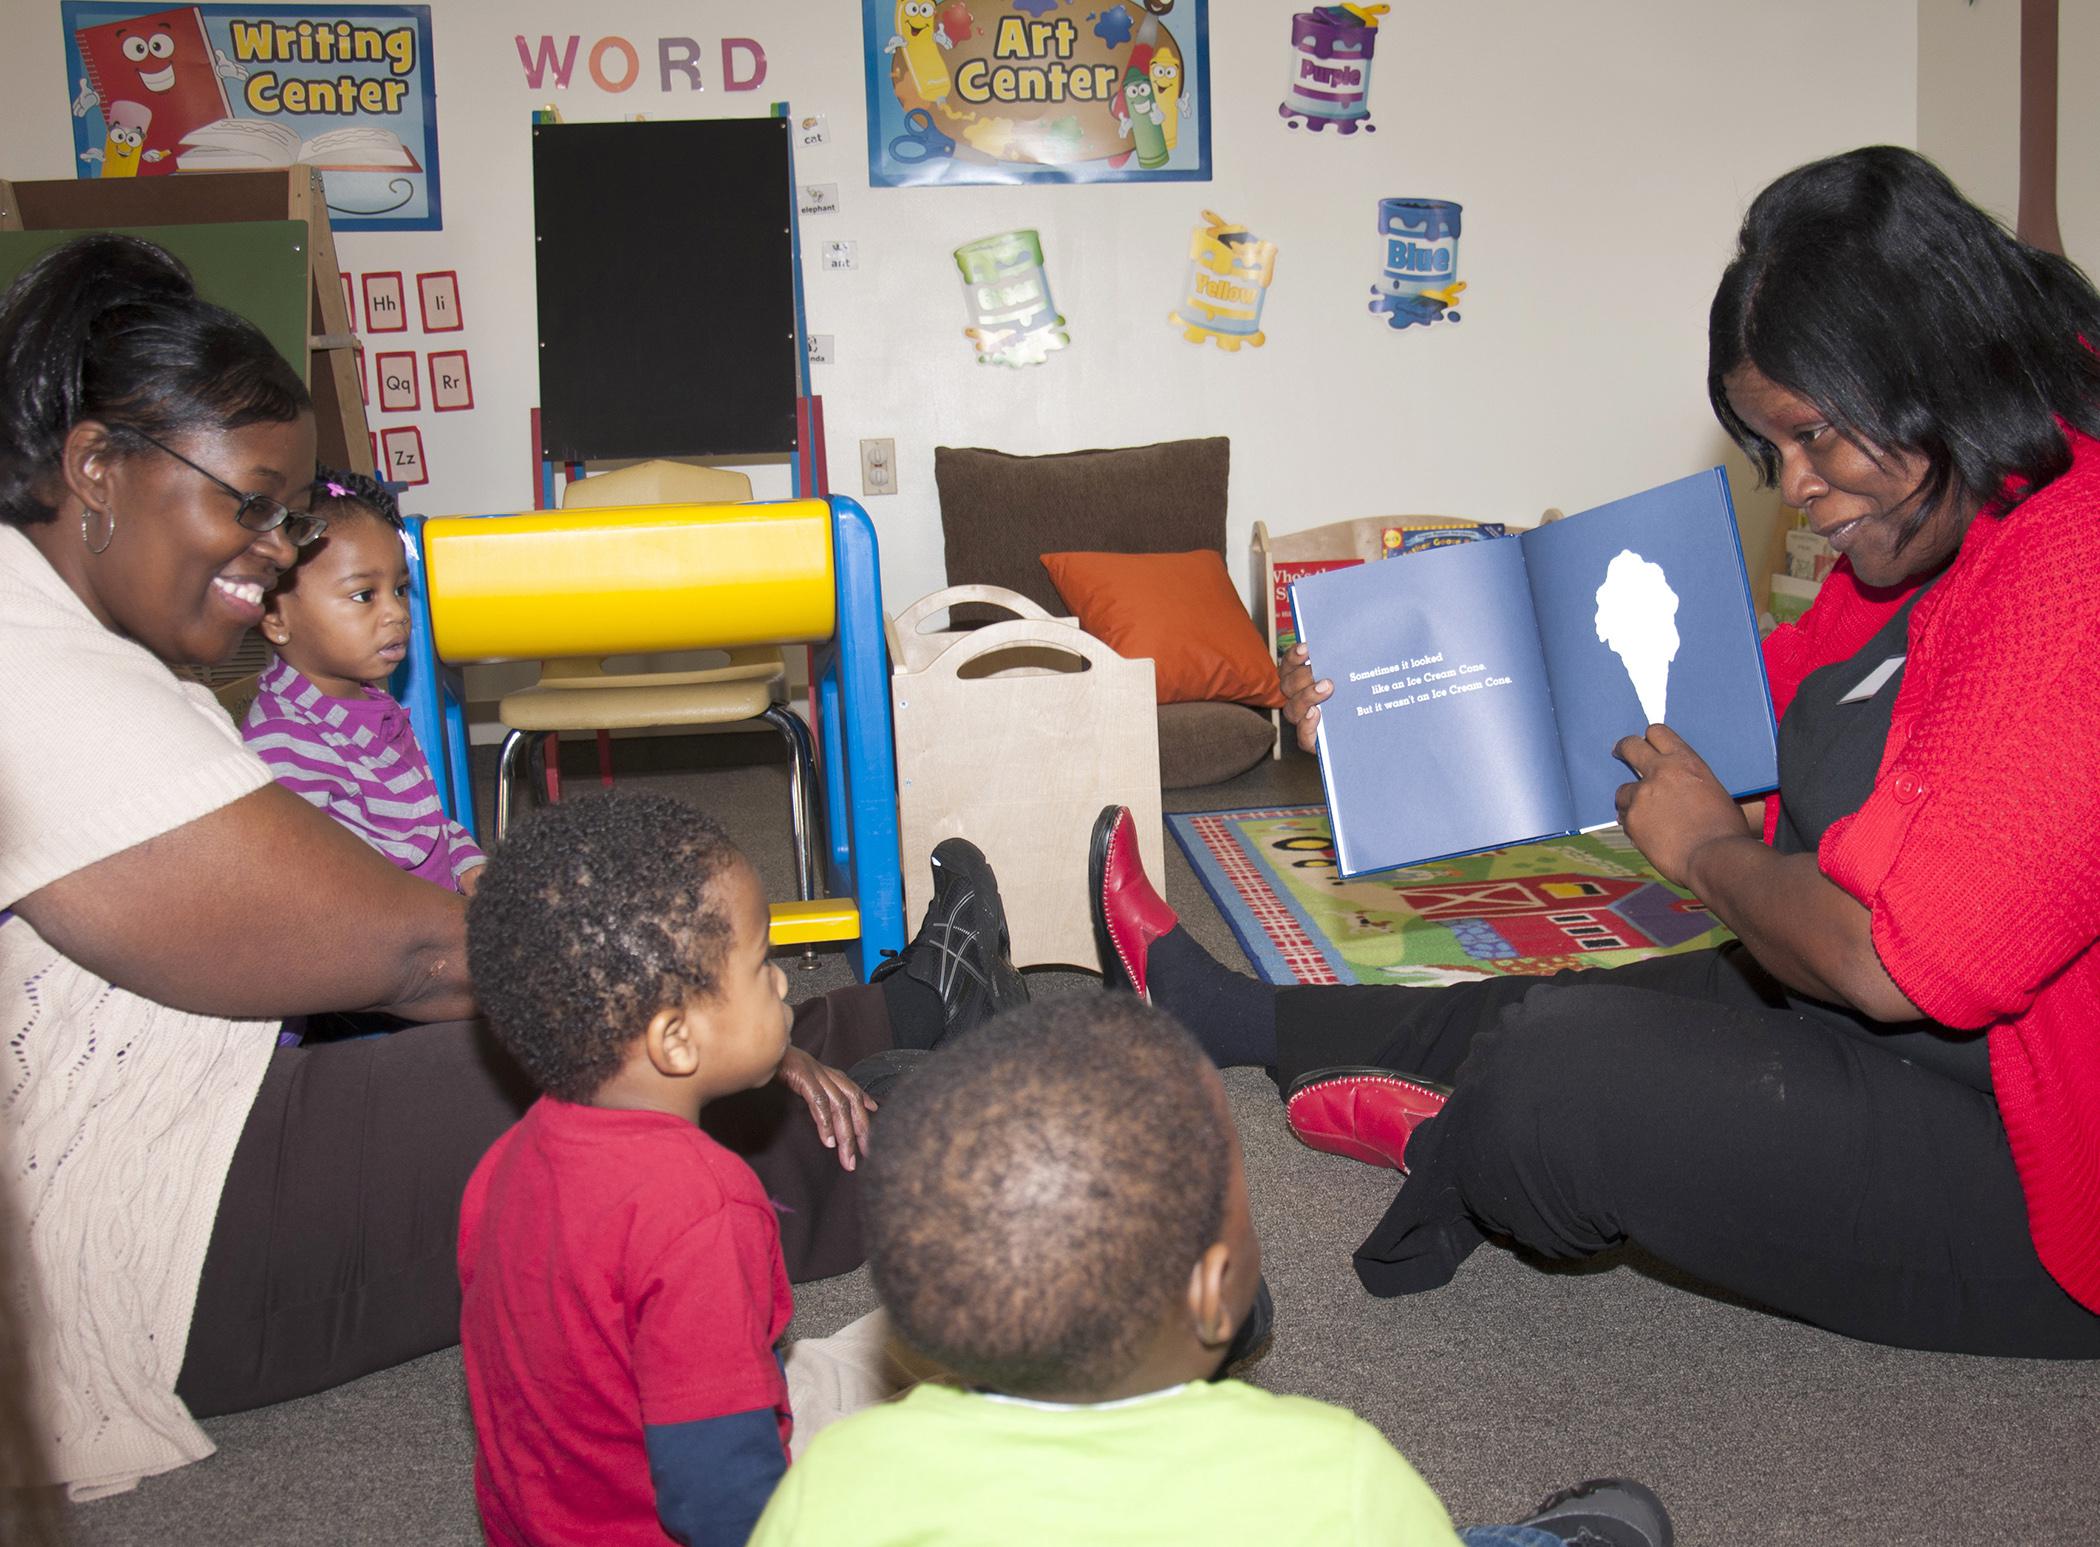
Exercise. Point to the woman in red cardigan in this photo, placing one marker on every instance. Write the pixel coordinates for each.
(1879, 1108)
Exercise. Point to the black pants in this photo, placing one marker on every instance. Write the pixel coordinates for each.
(334, 1252)
(1771, 1146)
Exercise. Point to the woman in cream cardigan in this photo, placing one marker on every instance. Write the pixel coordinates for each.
(213, 1226)
(217, 1222)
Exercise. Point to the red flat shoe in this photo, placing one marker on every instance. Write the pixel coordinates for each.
(1128, 914)
(1365, 1114)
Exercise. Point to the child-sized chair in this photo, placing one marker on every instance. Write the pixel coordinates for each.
(660, 579)
(741, 688)
(583, 696)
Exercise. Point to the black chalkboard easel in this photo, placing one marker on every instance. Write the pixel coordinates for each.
(665, 258)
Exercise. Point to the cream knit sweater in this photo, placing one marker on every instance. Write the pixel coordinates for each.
(124, 1114)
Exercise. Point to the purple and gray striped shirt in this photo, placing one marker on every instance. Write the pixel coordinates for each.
(357, 759)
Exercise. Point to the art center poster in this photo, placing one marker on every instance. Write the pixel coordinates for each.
(1013, 91)
(348, 90)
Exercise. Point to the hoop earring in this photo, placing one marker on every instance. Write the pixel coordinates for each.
(87, 515)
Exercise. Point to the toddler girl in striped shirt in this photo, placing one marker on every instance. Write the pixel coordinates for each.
(322, 720)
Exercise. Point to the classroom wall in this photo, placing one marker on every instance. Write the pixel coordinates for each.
(1969, 97)
(1969, 108)
(1603, 153)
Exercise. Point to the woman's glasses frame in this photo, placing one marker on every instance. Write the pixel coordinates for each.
(257, 512)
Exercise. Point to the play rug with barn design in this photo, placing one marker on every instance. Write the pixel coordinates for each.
(1583, 901)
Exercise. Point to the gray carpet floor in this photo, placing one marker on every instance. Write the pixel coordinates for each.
(1509, 1382)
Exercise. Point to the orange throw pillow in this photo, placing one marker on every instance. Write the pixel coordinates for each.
(1180, 611)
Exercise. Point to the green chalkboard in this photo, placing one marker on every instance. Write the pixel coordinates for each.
(257, 268)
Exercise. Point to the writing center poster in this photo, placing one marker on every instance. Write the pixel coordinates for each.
(1015, 91)
(347, 90)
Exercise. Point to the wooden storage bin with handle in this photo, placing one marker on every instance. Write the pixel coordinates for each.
(1014, 736)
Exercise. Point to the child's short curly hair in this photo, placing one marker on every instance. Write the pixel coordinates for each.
(591, 916)
(1040, 1189)
(342, 496)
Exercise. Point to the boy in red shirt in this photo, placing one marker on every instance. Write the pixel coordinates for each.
(623, 1285)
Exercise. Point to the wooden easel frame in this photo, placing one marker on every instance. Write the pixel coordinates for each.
(200, 198)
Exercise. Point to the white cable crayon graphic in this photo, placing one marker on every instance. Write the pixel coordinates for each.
(1637, 618)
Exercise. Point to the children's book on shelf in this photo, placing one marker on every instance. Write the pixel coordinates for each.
(1809, 555)
(1479, 688)
(1395, 542)
(1286, 573)
(1791, 597)
(249, 143)
(1402, 540)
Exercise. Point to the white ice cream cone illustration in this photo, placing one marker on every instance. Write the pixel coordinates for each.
(1637, 618)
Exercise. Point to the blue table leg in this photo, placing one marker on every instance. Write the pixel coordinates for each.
(859, 751)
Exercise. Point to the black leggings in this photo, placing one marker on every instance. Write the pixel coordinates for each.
(1773, 1147)
(334, 1252)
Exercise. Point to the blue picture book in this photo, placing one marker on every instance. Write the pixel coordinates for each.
(1479, 688)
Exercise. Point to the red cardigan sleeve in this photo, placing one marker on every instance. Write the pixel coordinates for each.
(1977, 848)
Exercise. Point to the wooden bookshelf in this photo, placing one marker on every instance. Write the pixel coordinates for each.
(230, 198)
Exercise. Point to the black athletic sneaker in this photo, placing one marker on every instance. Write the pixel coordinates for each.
(961, 951)
(1604, 1512)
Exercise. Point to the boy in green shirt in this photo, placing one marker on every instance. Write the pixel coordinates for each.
(1055, 1210)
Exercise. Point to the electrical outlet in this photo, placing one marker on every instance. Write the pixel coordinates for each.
(878, 467)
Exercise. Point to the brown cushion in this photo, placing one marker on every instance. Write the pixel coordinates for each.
(1210, 743)
(999, 512)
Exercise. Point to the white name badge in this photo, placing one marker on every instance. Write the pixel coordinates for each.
(1873, 681)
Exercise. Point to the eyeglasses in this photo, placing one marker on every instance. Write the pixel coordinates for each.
(258, 512)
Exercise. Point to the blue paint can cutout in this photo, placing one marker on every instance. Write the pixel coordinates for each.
(1421, 244)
